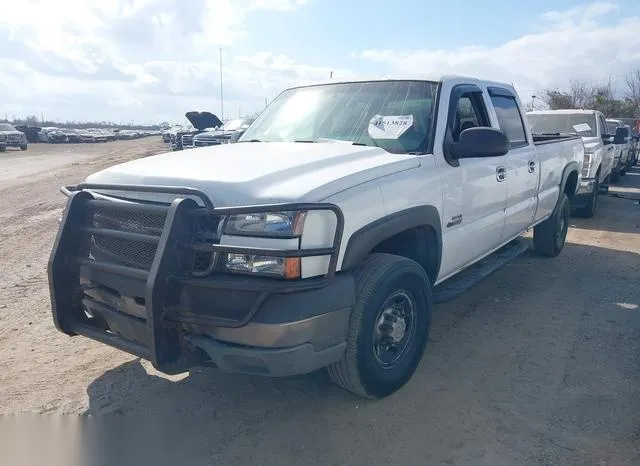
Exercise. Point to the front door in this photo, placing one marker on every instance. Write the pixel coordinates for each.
(475, 189)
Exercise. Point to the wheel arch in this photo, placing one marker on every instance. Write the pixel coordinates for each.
(397, 231)
(569, 181)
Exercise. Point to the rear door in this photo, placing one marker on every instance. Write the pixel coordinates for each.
(521, 164)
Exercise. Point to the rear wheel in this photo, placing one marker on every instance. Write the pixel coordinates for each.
(388, 328)
(549, 237)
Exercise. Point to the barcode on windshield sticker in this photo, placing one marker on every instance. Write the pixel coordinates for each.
(389, 127)
(582, 127)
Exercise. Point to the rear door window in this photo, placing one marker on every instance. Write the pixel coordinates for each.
(510, 120)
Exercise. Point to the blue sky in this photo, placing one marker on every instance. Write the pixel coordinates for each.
(153, 60)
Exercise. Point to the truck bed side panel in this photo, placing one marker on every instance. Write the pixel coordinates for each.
(553, 157)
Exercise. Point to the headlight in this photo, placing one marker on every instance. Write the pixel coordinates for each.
(275, 225)
(270, 224)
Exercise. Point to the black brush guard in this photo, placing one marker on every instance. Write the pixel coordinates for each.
(159, 337)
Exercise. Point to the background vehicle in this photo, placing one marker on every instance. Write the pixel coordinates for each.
(591, 126)
(321, 239)
(200, 121)
(620, 136)
(231, 131)
(11, 137)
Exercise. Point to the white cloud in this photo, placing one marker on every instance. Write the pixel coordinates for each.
(153, 60)
(571, 44)
(124, 57)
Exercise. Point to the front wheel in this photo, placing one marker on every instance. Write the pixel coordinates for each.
(23, 147)
(549, 237)
(590, 210)
(388, 328)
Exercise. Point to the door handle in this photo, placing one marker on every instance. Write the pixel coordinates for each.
(501, 174)
(532, 166)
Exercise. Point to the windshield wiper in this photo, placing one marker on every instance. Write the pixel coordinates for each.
(253, 140)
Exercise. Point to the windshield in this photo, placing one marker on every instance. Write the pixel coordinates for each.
(394, 115)
(239, 123)
(582, 124)
(6, 127)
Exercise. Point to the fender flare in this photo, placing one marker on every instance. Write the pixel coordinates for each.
(362, 241)
(571, 167)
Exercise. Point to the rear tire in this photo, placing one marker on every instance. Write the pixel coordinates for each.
(3, 148)
(388, 328)
(549, 237)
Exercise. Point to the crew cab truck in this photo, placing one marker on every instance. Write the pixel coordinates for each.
(591, 126)
(322, 238)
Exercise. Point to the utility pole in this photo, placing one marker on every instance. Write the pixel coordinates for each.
(331, 75)
(221, 94)
(533, 101)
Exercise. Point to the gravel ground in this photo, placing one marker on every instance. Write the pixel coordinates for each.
(538, 364)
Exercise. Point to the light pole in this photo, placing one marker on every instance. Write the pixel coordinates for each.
(221, 95)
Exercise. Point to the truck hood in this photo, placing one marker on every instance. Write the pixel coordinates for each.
(203, 120)
(258, 173)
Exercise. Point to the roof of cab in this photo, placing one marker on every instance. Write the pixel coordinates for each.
(433, 77)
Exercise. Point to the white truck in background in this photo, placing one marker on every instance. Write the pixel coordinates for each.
(322, 238)
(621, 138)
(591, 126)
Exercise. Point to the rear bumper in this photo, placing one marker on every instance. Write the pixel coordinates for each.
(585, 191)
(177, 321)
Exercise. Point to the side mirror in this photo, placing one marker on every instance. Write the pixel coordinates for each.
(480, 142)
(607, 139)
(621, 135)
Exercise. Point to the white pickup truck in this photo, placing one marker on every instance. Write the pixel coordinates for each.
(321, 239)
(598, 150)
(620, 135)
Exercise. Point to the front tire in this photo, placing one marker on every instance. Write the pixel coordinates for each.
(23, 147)
(590, 210)
(549, 237)
(388, 328)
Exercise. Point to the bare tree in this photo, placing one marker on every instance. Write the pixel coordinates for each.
(633, 91)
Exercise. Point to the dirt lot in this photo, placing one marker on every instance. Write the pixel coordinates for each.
(539, 364)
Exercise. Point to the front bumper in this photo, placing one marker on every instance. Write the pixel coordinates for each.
(178, 321)
(14, 143)
(585, 191)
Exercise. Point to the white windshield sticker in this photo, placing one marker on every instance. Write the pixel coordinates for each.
(582, 127)
(389, 127)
